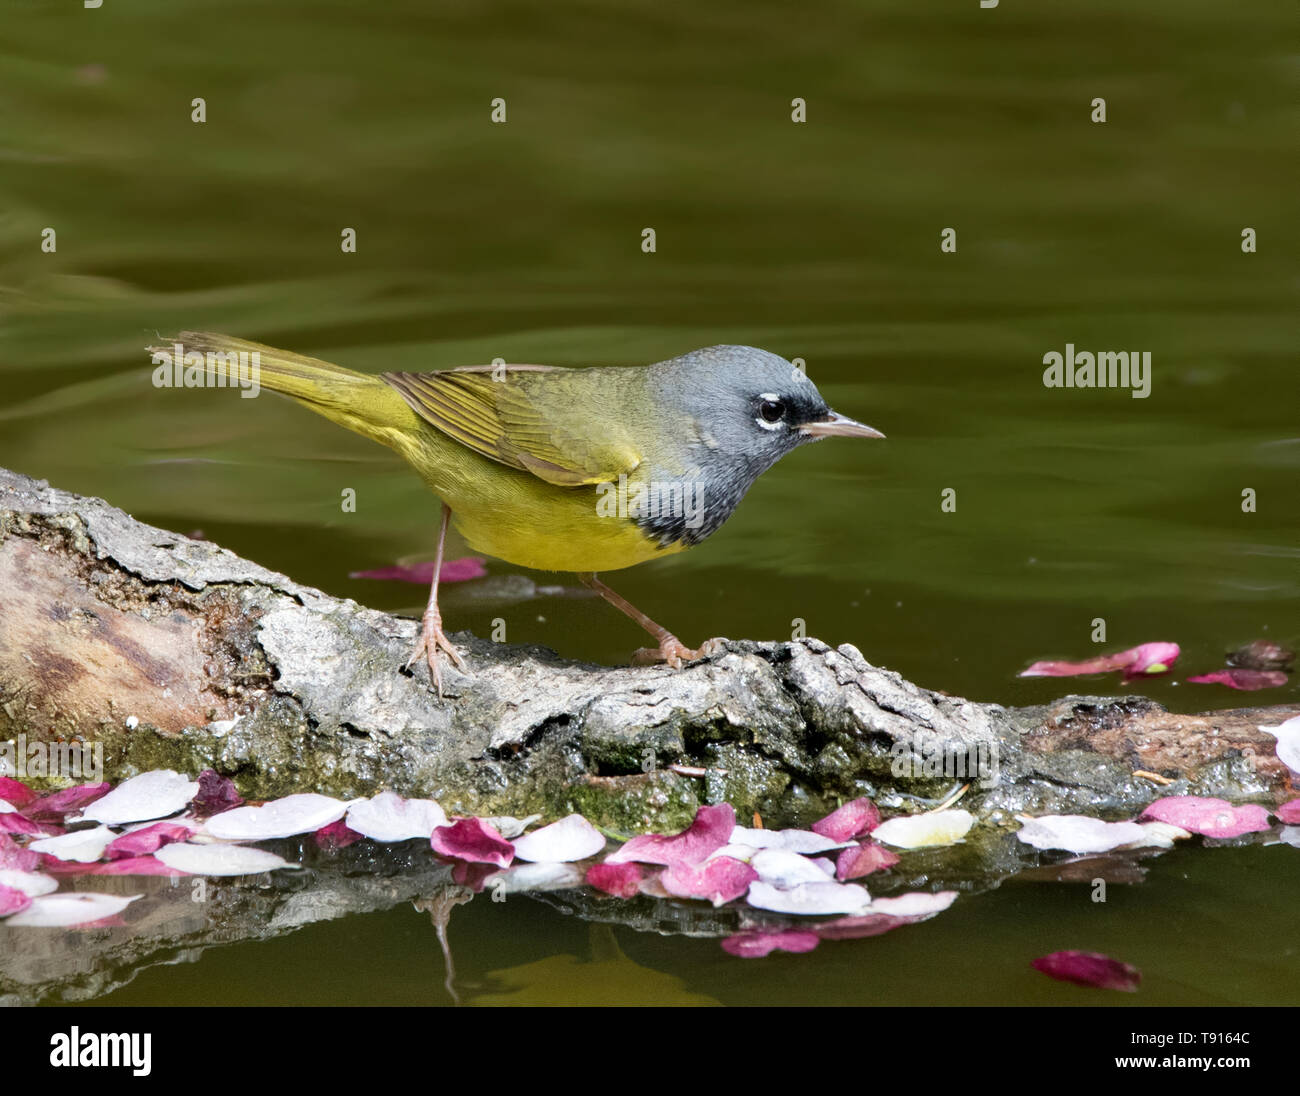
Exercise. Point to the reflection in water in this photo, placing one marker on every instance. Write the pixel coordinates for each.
(439, 906)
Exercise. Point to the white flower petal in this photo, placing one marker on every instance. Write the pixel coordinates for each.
(509, 827)
(83, 846)
(1078, 833)
(919, 831)
(31, 883)
(219, 859)
(757, 839)
(148, 796)
(294, 814)
(535, 877)
(810, 899)
(389, 817)
(914, 904)
(1287, 734)
(571, 838)
(1159, 835)
(70, 908)
(785, 869)
(736, 852)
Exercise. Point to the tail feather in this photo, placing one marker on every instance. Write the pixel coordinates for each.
(362, 402)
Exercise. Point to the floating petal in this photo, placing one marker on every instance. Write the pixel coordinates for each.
(860, 860)
(1208, 816)
(571, 838)
(851, 820)
(1085, 968)
(294, 814)
(219, 859)
(810, 899)
(84, 846)
(620, 880)
(388, 817)
(147, 796)
(920, 831)
(144, 841)
(755, 945)
(719, 881)
(473, 840)
(1078, 833)
(1149, 659)
(785, 869)
(711, 830)
(31, 883)
(1243, 679)
(70, 908)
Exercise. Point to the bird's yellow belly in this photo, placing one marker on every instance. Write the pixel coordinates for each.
(558, 542)
(523, 520)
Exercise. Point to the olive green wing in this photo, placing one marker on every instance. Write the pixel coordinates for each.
(539, 419)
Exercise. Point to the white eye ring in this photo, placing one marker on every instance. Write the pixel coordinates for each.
(765, 397)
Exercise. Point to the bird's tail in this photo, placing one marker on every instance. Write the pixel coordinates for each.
(359, 401)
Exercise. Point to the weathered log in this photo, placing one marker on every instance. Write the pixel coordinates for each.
(176, 653)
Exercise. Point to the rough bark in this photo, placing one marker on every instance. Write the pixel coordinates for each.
(176, 653)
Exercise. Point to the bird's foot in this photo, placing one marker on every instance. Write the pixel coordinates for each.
(672, 651)
(432, 640)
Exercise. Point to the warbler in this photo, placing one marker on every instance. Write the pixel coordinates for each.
(557, 469)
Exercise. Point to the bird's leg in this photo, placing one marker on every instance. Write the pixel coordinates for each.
(432, 636)
(671, 649)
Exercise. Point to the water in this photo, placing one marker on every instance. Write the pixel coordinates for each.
(818, 241)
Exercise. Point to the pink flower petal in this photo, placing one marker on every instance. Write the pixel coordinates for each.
(20, 824)
(142, 842)
(16, 792)
(720, 880)
(1086, 968)
(755, 945)
(620, 880)
(337, 835)
(453, 570)
(57, 804)
(1208, 816)
(849, 821)
(129, 865)
(708, 833)
(216, 794)
(473, 840)
(1149, 658)
(860, 860)
(1263, 654)
(12, 900)
(1288, 813)
(862, 926)
(465, 874)
(14, 857)
(1246, 680)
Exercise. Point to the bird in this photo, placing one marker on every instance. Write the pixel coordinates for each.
(583, 470)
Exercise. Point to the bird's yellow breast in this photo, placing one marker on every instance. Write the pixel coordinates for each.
(515, 516)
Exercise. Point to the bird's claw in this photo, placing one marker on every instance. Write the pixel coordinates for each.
(672, 651)
(432, 640)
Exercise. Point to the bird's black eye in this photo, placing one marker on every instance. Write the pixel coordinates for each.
(772, 410)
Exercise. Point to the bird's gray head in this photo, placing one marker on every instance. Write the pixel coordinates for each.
(745, 408)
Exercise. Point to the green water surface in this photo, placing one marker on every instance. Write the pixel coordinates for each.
(818, 240)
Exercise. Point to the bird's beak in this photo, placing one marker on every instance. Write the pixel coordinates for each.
(839, 426)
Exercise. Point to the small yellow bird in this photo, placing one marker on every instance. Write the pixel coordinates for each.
(555, 469)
